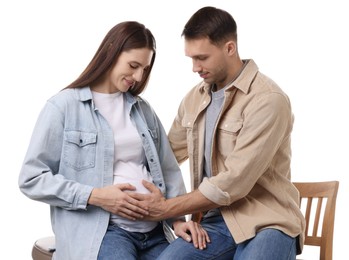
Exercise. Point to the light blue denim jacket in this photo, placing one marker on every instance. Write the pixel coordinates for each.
(72, 151)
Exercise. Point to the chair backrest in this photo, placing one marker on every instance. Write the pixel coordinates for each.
(318, 204)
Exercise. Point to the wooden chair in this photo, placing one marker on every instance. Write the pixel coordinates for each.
(321, 198)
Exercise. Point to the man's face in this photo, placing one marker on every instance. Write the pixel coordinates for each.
(208, 60)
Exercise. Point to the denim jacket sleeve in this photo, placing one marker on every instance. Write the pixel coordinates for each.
(39, 177)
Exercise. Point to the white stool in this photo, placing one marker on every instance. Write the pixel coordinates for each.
(43, 248)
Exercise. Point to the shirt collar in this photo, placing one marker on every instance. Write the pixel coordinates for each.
(85, 94)
(242, 82)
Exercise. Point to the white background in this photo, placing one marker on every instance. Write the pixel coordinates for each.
(45, 45)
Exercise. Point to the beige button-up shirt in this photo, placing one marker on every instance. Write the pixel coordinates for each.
(251, 154)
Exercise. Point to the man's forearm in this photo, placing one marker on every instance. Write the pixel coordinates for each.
(159, 208)
(189, 203)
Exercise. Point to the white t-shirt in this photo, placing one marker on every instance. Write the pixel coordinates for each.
(129, 157)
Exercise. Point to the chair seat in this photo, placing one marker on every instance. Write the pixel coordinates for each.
(43, 248)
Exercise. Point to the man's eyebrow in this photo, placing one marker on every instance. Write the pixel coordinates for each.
(199, 56)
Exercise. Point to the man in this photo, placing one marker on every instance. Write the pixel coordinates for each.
(235, 128)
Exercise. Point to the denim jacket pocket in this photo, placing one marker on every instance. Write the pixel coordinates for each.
(79, 149)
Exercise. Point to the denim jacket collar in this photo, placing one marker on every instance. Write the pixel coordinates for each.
(84, 94)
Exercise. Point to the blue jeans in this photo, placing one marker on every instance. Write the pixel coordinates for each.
(121, 244)
(268, 244)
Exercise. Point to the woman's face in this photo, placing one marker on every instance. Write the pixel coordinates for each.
(128, 70)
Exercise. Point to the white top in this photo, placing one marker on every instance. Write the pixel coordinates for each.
(129, 157)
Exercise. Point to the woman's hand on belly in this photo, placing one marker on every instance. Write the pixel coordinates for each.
(116, 200)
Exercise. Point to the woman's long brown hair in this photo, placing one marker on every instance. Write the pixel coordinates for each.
(122, 37)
